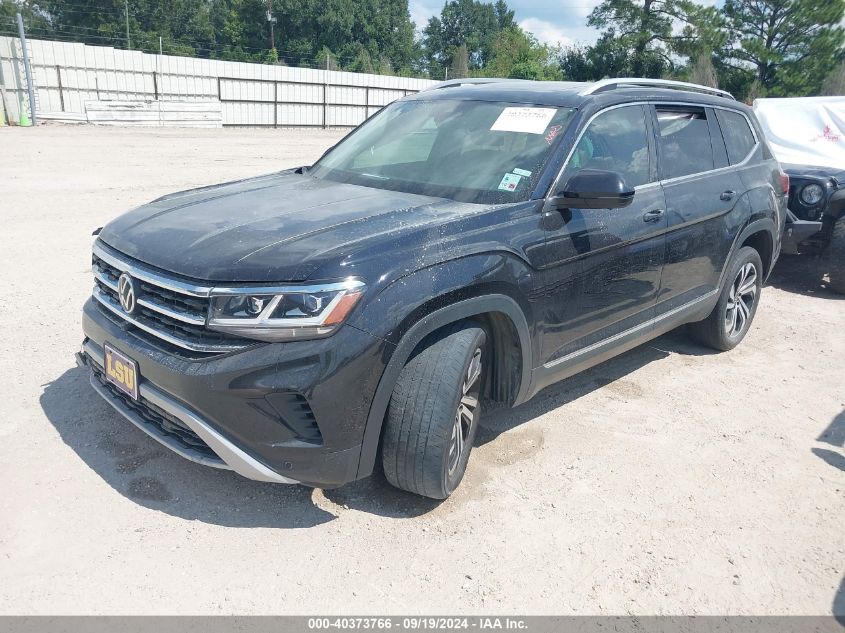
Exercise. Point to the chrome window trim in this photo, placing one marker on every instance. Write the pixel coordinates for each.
(717, 170)
(553, 186)
(750, 127)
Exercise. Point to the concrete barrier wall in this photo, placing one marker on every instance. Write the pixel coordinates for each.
(67, 75)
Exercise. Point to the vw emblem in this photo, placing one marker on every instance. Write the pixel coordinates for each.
(126, 293)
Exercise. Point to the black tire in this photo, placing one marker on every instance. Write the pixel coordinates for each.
(836, 256)
(420, 452)
(722, 330)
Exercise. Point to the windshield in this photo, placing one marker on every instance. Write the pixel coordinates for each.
(471, 151)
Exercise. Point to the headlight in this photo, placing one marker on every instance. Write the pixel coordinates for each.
(283, 314)
(812, 194)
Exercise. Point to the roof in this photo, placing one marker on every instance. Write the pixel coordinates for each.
(571, 93)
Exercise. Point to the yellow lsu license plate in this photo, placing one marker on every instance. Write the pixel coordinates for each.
(121, 371)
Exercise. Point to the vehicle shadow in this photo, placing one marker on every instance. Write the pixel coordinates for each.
(802, 274)
(834, 435)
(137, 467)
(148, 474)
(375, 495)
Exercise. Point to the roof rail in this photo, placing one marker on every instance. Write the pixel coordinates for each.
(449, 83)
(621, 82)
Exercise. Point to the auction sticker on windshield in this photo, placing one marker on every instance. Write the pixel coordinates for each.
(528, 120)
(509, 182)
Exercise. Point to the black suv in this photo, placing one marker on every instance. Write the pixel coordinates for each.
(479, 240)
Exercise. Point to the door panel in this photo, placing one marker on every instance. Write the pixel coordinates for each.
(605, 264)
(700, 197)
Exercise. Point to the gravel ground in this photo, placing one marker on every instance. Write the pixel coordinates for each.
(669, 480)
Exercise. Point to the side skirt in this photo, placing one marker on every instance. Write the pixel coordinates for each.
(576, 362)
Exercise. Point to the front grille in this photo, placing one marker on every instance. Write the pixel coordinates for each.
(158, 417)
(169, 312)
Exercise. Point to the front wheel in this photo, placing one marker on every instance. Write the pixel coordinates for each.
(433, 413)
(836, 256)
(730, 320)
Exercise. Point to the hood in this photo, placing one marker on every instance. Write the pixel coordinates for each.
(812, 171)
(281, 227)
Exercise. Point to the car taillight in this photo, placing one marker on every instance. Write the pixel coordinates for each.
(784, 183)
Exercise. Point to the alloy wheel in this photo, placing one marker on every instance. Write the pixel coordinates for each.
(466, 413)
(741, 300)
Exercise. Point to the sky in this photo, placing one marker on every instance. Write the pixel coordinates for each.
(551, 21)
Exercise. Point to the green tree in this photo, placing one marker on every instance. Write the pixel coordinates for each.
(834, 83)
(787, 46)
(610, 56)
(236, 29)
(469, 23)
(519, 55)
(460, 63)
(701, 71)
(648, 29)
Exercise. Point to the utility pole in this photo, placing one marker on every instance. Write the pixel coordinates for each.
(272, 21)
(27, 70)
(128, 41)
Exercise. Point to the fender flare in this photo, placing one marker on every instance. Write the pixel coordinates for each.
(835, 205)
(433, 321)
(763, 224)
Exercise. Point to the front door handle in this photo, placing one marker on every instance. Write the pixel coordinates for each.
(653, 216)
(727, 196)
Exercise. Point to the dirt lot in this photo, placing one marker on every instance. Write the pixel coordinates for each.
(669, 480)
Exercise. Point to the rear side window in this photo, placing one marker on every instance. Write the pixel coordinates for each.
(685, 146)
(615, 140)
(738, 136)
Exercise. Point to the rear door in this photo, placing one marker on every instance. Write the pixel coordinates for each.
(701, 193)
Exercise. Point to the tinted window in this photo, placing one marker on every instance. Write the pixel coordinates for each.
(684, 141)
(738, 136)
(472, 151)
(616, 140)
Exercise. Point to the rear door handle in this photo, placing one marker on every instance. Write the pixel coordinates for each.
(727, 196)
(653, 216)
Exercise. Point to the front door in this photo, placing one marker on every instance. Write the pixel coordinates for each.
(606, 263)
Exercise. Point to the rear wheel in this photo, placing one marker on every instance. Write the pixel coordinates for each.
(730, 320)
(836, 256)
(433, 413)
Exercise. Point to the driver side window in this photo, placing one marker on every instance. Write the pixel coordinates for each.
(616, 140)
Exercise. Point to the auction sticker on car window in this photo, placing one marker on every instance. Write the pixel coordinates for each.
(509, 182)
(528, 120)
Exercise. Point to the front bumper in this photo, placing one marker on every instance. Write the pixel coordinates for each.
(245, 411)
(222, 453)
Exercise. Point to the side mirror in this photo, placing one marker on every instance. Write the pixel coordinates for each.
(595, 189)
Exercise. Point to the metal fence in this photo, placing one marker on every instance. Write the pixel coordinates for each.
(68, 75)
